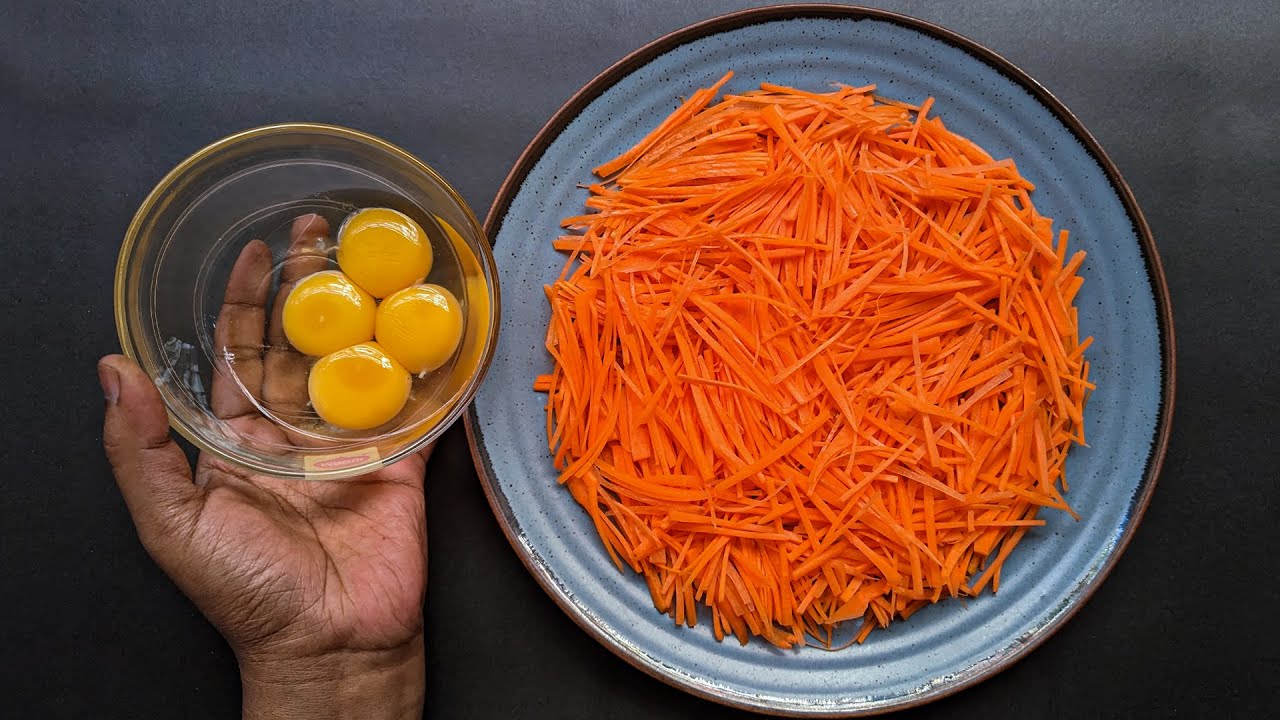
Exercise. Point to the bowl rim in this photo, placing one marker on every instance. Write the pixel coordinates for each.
(617, 71)
(484, 258)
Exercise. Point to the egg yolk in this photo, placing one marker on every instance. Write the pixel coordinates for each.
(359, 387)
(325, 312)
(383, 250)
(420, 326)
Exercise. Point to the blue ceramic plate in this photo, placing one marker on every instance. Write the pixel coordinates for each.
(1124, 305)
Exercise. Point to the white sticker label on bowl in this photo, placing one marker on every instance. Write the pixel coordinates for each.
(339, 461)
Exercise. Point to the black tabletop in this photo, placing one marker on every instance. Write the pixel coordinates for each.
(98, 100)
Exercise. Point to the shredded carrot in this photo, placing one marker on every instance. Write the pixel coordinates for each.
(815, 360)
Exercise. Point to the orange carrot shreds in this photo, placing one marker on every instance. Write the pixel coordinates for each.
(815, 360)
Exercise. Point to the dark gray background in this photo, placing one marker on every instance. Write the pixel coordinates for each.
(98, 100)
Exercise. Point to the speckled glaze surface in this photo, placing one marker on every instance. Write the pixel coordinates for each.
(1123, 305)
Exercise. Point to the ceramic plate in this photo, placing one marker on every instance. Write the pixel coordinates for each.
(1124, 305)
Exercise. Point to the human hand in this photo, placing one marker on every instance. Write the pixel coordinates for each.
(317, 586)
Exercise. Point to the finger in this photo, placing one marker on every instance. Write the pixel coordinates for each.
(237, 336)
(412, 470)
(149, 467)
(284, 386)
(305, 256)
(426, 451)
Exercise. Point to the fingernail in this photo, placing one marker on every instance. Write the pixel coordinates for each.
(110, 381)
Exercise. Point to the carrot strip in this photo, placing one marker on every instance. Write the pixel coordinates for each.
(816, 359)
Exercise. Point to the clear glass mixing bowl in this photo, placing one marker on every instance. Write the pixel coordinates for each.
(178, 255)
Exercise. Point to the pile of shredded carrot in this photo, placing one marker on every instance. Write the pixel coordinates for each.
(815, 360)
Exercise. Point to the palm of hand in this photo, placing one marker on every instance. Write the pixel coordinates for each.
(307, 568)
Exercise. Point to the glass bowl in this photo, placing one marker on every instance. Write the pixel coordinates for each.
(178, 256)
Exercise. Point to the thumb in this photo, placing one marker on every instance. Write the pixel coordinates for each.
(151, 470)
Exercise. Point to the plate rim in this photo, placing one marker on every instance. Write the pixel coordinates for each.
(634, 60)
